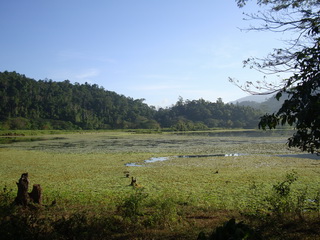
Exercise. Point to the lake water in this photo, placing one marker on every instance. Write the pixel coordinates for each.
(160, 159)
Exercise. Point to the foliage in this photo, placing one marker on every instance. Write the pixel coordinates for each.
(302, 109)
(133, 204)
(6, 197)
(281, 202)
(283, 188)
(45, 104)
(166, 213)
(231, 230)
(301, 60)
(199, 114)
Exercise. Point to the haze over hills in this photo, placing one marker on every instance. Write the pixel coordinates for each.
(253, 98)
(264, 103)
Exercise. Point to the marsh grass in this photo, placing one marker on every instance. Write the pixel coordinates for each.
(84, 174)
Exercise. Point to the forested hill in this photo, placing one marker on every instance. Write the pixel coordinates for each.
(271, 105)
(29, 104)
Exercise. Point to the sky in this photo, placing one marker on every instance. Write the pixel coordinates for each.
(157, 50)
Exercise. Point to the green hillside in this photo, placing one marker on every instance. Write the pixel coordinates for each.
(271, 105)
(45, 104)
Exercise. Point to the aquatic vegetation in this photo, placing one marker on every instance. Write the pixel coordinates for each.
(184, 178)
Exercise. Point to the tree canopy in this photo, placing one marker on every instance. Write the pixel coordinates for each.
(300, 58)
(29, 104)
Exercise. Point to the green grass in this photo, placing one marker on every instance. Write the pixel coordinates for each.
(84, 171)
(93, 164)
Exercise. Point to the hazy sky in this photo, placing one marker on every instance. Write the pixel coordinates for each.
(152, 49)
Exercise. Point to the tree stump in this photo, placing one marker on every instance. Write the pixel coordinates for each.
(133, 182)
(127, 173)
(36, 194)
(23, 197)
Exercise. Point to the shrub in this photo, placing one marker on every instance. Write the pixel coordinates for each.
(6, 197)
(231, 230)
(165, 213)
(281, 200)
(132, 206)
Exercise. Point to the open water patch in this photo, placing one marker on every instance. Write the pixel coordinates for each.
(133, 165)
(211, 155)
(157, 159)
(161, 159)
(305, 155)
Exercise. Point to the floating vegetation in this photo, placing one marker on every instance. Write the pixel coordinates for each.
(166, 144)
(10, 140)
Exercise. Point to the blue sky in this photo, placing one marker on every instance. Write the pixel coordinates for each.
(152, 49)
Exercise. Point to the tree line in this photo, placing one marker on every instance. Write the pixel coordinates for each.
(45, 104)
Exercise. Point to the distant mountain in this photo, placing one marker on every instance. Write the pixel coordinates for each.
(253, 98)
(265, 103)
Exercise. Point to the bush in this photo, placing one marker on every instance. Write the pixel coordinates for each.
(165, 213)
(19, 123)
(281, 200)
(132, 206)
(231, 230)
(6, 200)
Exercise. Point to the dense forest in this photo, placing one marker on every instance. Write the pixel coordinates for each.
(45, 104)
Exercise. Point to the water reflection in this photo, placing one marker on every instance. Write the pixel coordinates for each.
(160, 159)
(156, 159)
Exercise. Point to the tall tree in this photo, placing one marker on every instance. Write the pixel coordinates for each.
(301, 58)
